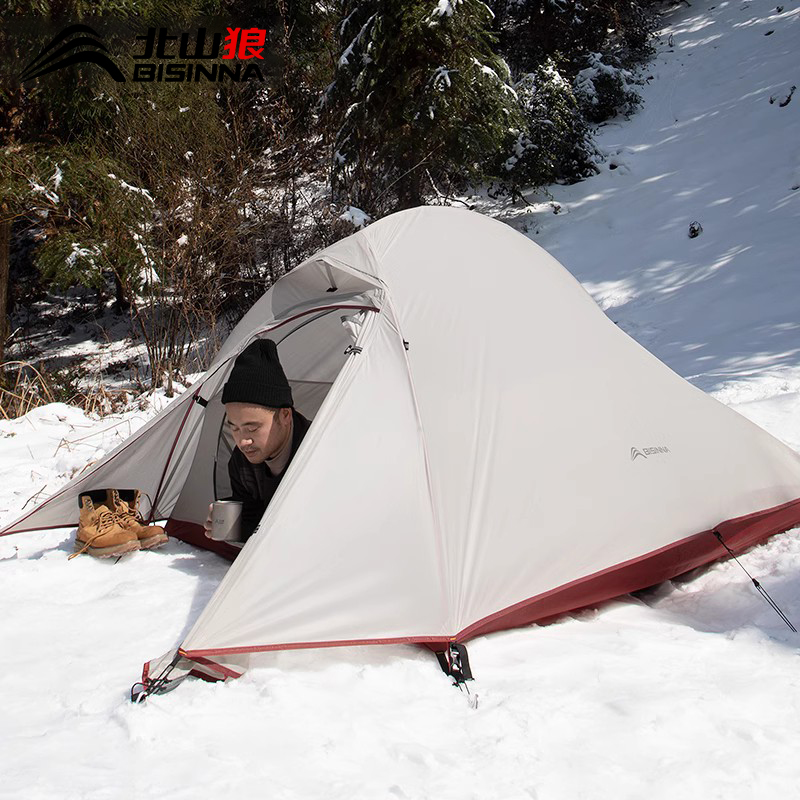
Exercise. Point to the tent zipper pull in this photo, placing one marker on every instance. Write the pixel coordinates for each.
(352, 348)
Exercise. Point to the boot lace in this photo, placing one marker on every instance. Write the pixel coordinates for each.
(125, 513)
(106, 520)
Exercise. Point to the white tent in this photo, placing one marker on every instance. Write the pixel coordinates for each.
(487, 449)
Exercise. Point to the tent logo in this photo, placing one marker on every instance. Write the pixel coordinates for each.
(41, 65)
(647, 451)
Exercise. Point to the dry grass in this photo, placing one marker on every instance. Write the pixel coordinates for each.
(24, 387)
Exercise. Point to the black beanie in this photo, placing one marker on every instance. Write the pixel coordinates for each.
(258, 377)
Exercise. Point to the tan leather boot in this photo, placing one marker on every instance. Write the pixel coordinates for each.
(125, 503)
(100, 533)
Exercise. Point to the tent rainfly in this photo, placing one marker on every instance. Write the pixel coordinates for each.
(488, 449)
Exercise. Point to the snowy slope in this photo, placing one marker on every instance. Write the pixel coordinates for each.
(707, 146)
(686, 690)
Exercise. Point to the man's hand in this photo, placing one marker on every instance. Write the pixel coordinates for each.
(208, 521)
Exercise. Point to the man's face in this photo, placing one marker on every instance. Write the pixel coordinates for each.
(258, 432)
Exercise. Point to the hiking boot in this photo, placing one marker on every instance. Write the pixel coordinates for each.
(125, 504)
(100, 533)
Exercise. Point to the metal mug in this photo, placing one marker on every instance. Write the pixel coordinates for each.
(226, 520)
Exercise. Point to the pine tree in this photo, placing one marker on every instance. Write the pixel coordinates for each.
(422, 101)
(569, 31)
(553, 145)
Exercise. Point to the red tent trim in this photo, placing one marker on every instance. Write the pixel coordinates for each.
(652, 568)
(637, 573)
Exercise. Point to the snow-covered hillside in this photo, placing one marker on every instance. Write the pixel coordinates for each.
(686, 690)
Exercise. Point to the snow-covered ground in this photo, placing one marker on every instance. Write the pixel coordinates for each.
(687, 690)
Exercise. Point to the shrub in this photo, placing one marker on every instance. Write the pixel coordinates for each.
(553, 145)
(604, 90)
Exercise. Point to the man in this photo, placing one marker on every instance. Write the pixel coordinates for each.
(266, 429)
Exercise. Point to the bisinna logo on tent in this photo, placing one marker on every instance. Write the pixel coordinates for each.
(647, 451)
(241, 44)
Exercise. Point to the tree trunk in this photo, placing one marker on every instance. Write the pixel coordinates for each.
(121, 304)
(5, 259)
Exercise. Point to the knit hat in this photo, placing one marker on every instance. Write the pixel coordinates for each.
(257, 377)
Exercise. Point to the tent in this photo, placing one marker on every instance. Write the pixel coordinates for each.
(488, 449)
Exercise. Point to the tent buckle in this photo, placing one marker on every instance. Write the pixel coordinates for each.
(455, 662)
(161, 684)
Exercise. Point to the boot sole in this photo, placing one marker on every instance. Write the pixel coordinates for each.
(108, 552)
(151, 542)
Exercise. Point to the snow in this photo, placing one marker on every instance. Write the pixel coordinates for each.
(706, 146)
(81, 252)
(58, 175)
(687, 689)
(148, 274)
(441, 79)
(136, 190)
(484, 69)
(344, 59)
(445, 8)
(356, 217)
(51, 196)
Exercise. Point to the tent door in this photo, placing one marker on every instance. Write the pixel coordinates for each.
(312, 354)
